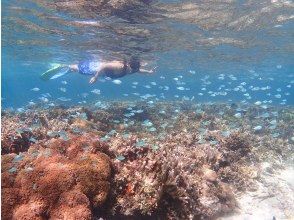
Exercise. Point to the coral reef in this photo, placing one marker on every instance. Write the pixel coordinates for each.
(125, 160)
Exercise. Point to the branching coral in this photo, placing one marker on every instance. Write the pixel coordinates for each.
(176, 181)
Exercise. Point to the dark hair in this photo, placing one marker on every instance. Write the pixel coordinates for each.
(135, 64)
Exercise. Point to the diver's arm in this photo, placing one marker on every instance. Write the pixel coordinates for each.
(95, 77)
(141, 70)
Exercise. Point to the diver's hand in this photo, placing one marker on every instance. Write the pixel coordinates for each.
(153, 69)
(147, 71)
(93, 80)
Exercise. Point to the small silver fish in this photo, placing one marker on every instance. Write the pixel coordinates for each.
(96, 91)
(35, 89)
(117, 81)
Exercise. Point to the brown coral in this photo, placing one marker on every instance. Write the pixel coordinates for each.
(72, 205)
(237, 143)
(59, 184)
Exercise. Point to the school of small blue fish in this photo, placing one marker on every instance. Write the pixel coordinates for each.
(248, 88)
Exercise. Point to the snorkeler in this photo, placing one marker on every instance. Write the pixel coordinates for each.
(113, 69)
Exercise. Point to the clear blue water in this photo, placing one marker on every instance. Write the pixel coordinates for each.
(235, 52)
(230, 51)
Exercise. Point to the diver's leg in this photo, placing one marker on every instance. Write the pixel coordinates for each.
(74, 68)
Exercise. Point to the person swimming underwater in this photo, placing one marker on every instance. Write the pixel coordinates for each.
(113, 69)
(110, 69)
